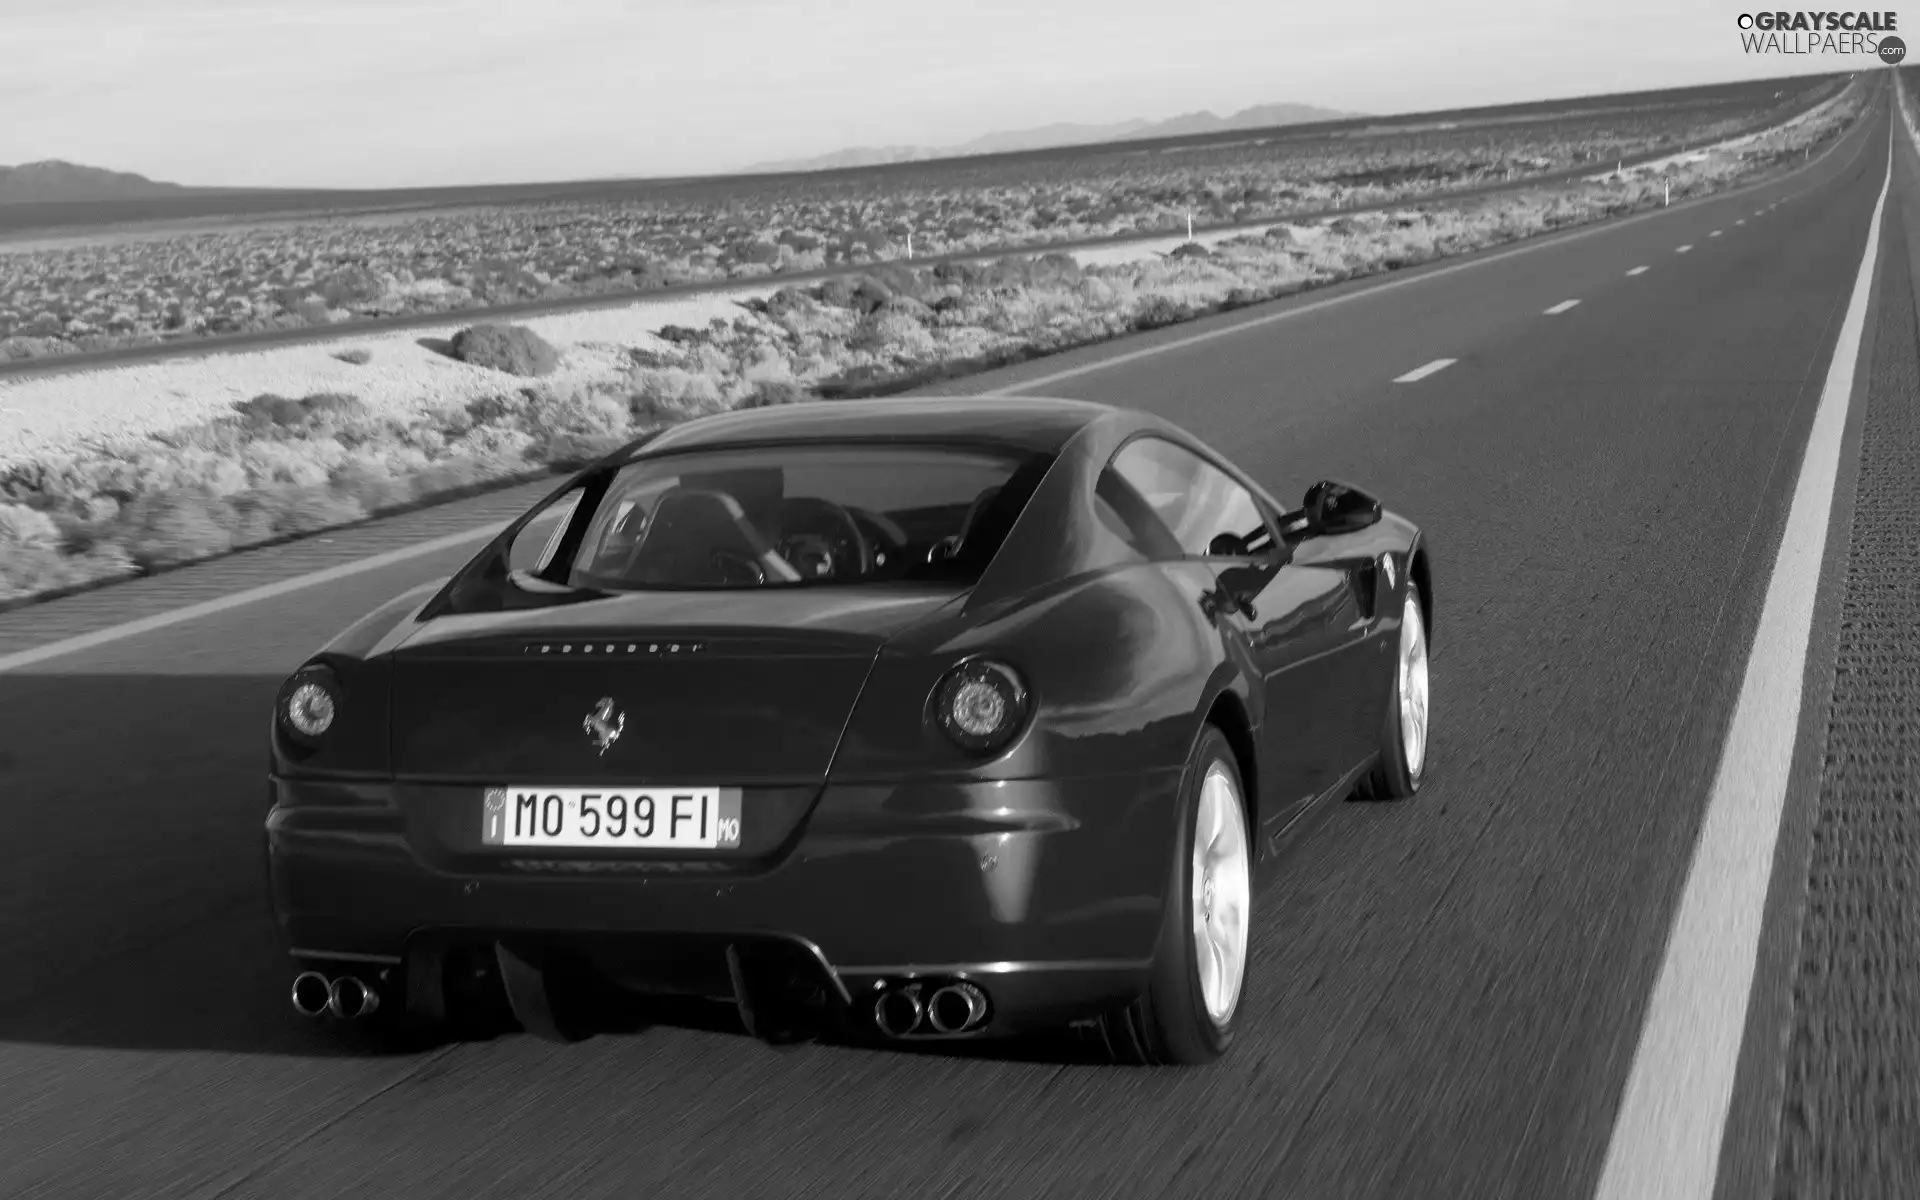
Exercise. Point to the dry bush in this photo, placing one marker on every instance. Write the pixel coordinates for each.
(512, 349)
(279, 466)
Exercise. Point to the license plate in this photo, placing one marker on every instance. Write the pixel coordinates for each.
(613, 818)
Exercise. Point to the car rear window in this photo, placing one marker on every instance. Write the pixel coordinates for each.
(807, 515)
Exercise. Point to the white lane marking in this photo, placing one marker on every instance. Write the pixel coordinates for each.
(1715, 233)
(1561, 307)
(1742, 220)
(1673, 1115)
(1419, 373)
(219, 604)
(1683, 249)
(296, 583)
(1387, 285)
(1637, 271)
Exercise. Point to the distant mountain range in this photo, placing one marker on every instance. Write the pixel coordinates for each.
(1260, 116)
(57, 182)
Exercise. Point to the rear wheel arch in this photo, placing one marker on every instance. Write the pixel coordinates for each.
(1419, 572)
(1228, 714)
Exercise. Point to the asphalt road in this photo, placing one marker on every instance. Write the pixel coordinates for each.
(94, 360)
(1447, 994)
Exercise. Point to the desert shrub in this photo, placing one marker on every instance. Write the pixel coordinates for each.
(37, 571)
(869, 294)
(1054, 269)
(278, 466)
(1157, 311)
(575, 424)
(23, 528)
(349, 286)
(908, 308)
(892, 334)
(672, 394)
(177, 525)
(512, 349)
(770, 393)
(835, 293)
(271, 512)
(359, 356)
(373, 484)
(784, 301)
(268, 413)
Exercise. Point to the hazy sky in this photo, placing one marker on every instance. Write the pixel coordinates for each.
(388, 93)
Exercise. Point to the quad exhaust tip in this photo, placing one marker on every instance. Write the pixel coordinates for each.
(898, 1011)
(347, 997)
(311, 995)
(350, 999)
(956, 1007)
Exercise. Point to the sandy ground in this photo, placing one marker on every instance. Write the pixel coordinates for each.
(62, 412)
(1660, 164)
(55, 413)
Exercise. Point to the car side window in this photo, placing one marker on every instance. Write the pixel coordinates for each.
(533, 547)
(1203, 509)
(1124, 511)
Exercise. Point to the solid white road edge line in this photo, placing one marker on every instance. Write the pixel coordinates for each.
(1561, 307)
(1673, 1114)
(101, 637)
(1419, 373)
(1637, 271)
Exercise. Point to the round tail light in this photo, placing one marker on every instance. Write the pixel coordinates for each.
(308, 704)
(980, 705)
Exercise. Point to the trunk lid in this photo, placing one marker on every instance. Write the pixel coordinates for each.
(644, 689)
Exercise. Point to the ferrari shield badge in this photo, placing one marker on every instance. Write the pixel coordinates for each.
(604, 724)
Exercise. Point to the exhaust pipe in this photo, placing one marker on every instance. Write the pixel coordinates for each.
(956, 1007)
(349, 999)
(898, 1011)
(311, 996)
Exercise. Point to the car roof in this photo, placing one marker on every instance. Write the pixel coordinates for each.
(1034, 424)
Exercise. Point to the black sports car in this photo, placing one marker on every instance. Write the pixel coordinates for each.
(920, 718)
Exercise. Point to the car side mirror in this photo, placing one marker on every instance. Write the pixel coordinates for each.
(1333, 508)
(1227, 545)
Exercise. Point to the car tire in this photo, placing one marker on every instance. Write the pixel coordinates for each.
(1406, 731)
(1171, 1024)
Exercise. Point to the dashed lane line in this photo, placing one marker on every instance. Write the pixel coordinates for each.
(296, 583)
(1637, 271)
(1561, 307)
(1419, 373)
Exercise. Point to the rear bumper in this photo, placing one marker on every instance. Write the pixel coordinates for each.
(1048, 893)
